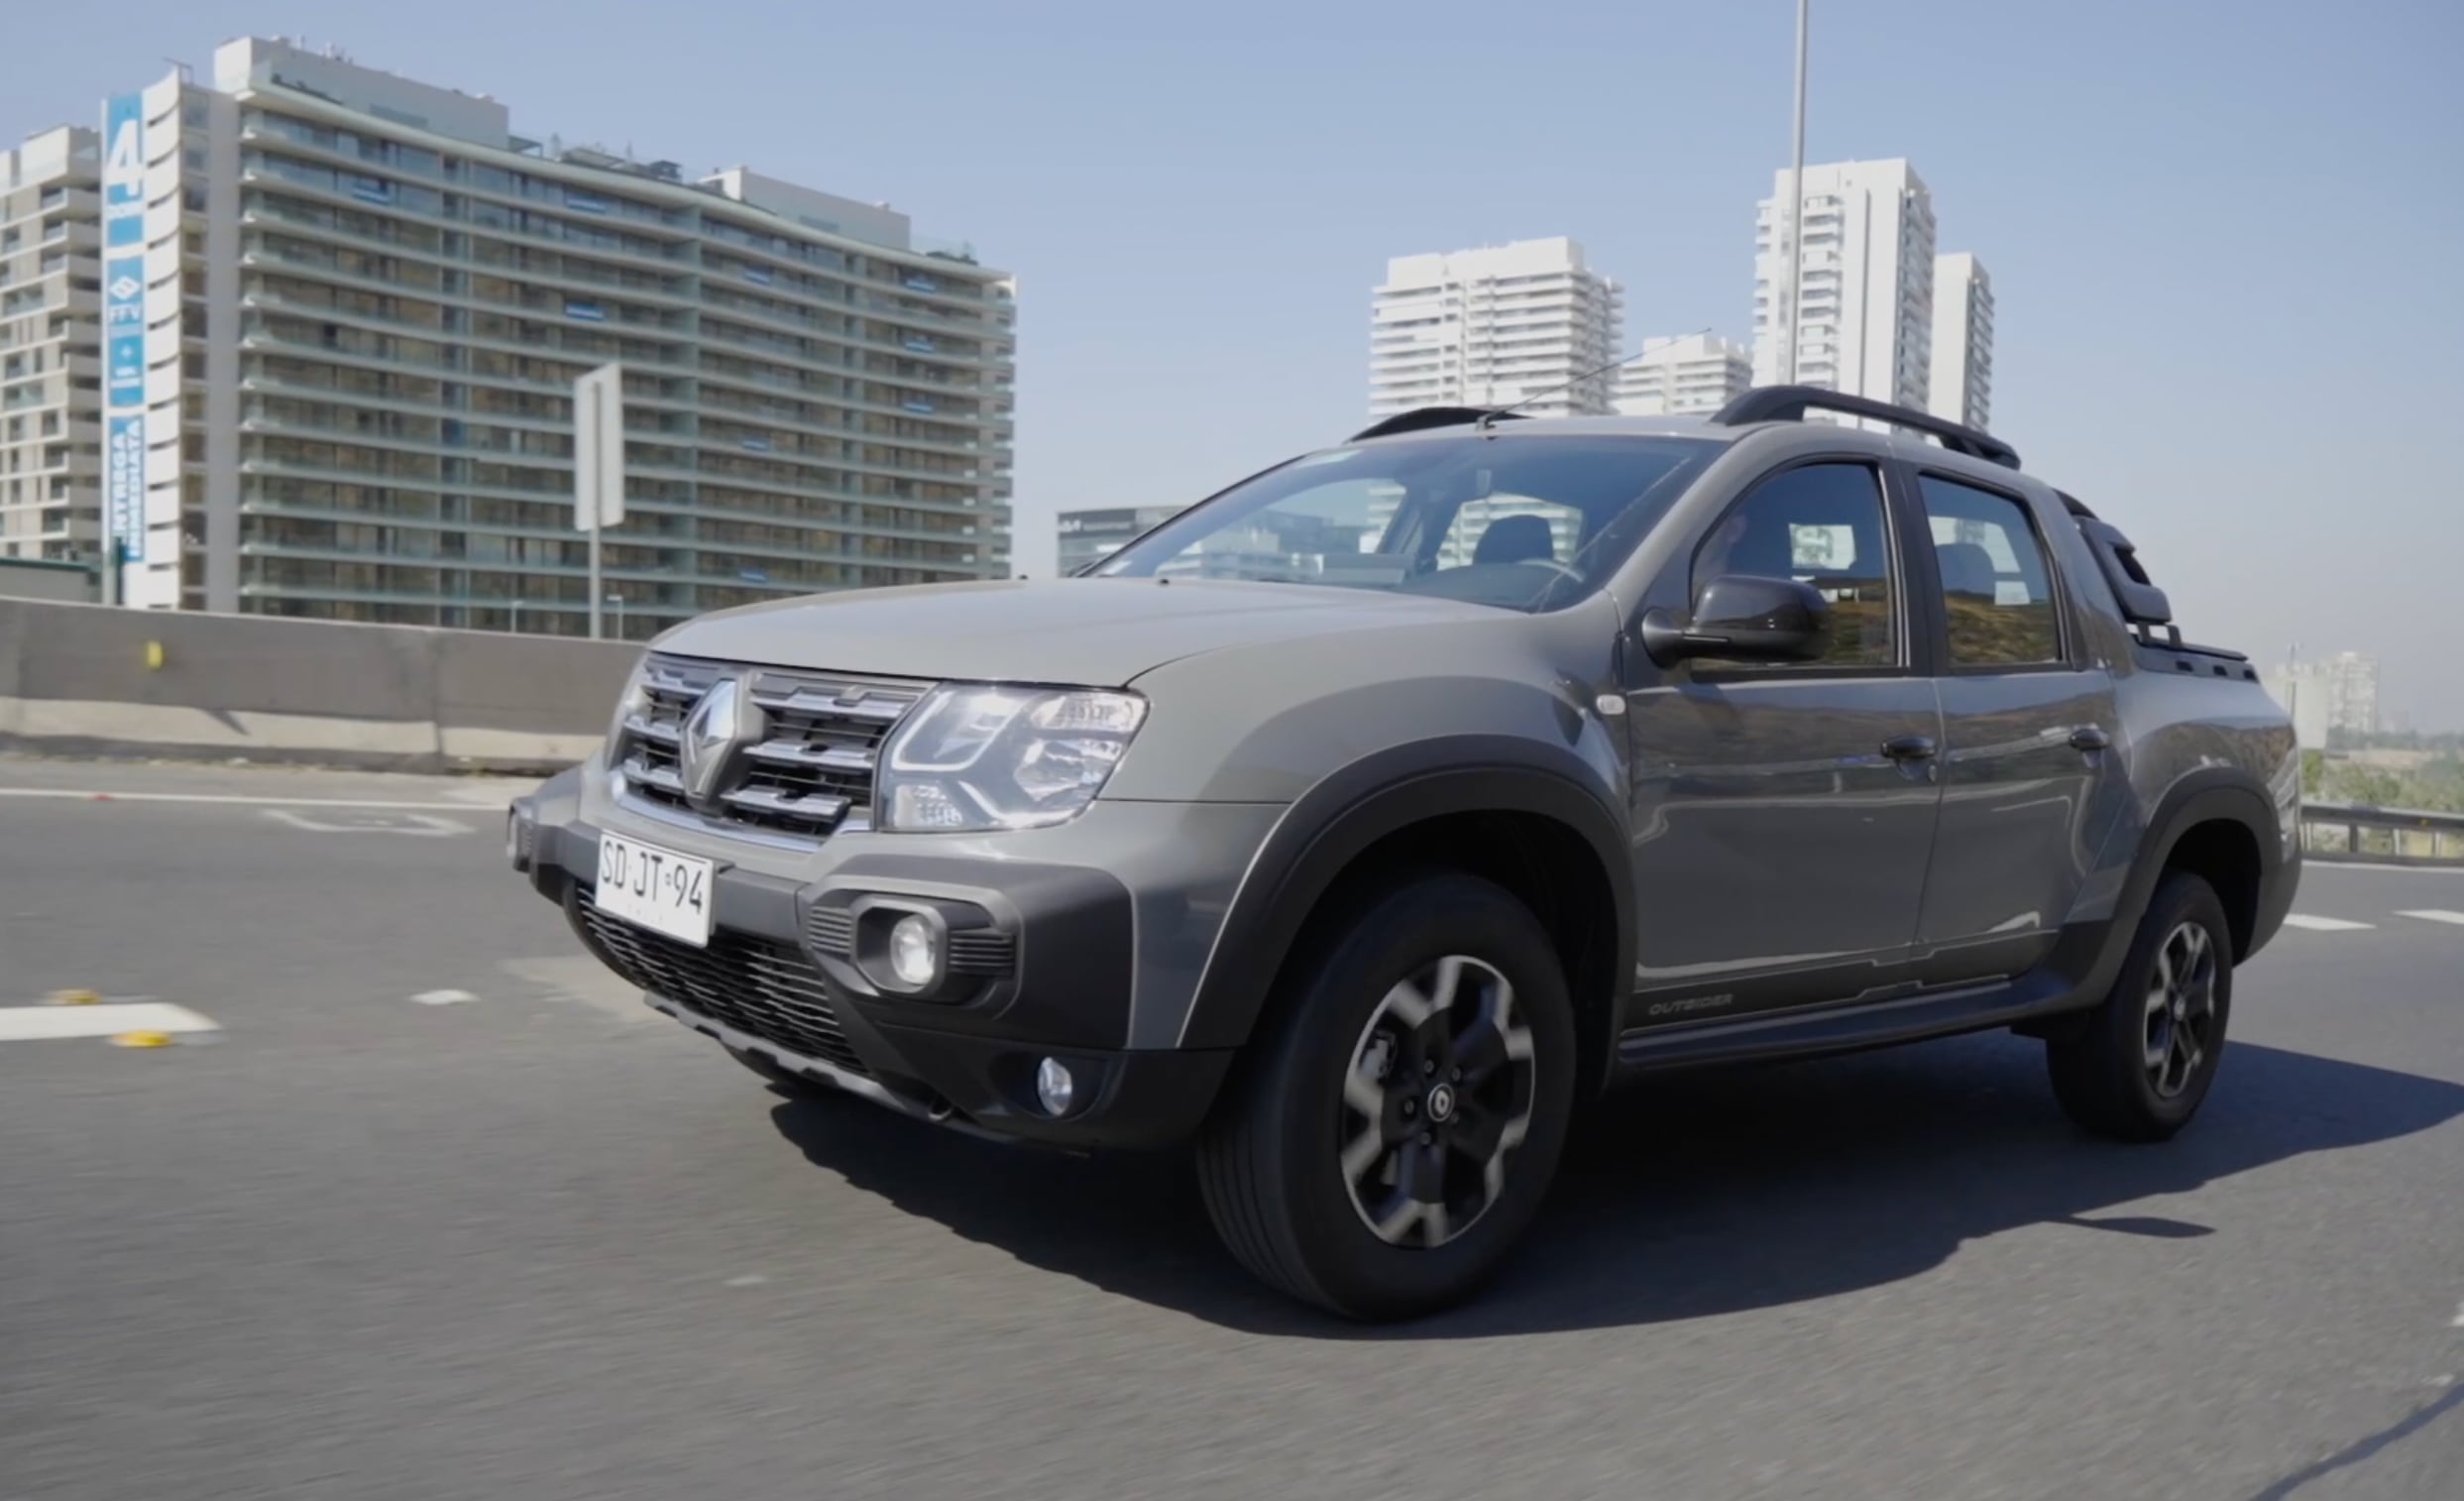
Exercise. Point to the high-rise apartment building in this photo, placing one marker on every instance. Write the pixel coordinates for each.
(2330, 695)
(1961, 383)
(51, 375)
(345, 311)
(1861, 315)
(1495, 327)
(1682, 375)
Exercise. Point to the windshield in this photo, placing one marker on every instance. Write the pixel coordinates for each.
(1519, 520)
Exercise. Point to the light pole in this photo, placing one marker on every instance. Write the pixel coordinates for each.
(1796, 206)
(517, 615)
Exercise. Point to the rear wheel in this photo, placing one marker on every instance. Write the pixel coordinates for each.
(1394, 1139)
(2141, 1063)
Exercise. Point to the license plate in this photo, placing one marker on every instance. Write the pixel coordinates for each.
(656, 888)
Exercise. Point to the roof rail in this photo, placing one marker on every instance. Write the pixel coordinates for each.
(1428, 416)
(1790, 404)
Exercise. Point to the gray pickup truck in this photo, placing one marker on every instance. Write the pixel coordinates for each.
(1362, 823)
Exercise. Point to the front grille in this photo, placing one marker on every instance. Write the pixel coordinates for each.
(810, 770)
(756, 986)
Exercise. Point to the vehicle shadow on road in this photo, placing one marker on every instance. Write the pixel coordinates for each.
(1691, 1195)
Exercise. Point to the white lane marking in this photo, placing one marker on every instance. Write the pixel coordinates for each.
(2323, 924)
(2459, 1317)
(749, 1279)
(444, 997)
(421, 825)
(2312, 866)
(2432, 915)
(32, 1023)
(71, 795)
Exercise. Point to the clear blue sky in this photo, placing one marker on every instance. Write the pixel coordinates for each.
(2224, 237)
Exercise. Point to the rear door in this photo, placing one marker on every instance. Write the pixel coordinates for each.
(2029, 760)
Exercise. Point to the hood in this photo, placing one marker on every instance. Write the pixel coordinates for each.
(1097, 633)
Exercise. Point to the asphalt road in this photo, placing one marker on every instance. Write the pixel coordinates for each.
(540, 1242)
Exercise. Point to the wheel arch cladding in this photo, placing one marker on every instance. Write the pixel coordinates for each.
(1509, 811)
(2221, 828)
(2224, 852)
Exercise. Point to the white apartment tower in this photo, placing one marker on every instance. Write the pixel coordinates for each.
(50, 374)
(1686, 375)
(1864, 309)
(1962, 384)
(345, 311)
(1495, 327)
(2337, 694)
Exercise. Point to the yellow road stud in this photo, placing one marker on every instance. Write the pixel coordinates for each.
(140, 1039)
(73, 998)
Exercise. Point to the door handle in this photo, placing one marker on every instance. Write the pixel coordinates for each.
(1909, 747)
(2088, 738)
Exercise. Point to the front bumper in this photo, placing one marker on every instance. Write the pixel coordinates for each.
(1046, 970)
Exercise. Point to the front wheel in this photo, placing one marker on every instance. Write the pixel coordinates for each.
(1392, 1141)
(2139, 1066)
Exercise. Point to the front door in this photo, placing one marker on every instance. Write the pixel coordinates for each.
(1784, 816)
(2029, 737)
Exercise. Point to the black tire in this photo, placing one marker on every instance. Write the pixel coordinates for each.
(2101, 1072)
(1274, 1160)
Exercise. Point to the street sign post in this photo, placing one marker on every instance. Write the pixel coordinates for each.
(597, 465)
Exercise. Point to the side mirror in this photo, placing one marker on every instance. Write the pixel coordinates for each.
(1745, 618)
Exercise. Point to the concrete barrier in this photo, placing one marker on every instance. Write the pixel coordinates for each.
(85, 679)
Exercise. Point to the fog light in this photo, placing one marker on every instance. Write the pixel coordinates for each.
(916, 951)
(1054, 1087)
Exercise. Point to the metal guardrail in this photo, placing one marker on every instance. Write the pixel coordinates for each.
(2388, 835)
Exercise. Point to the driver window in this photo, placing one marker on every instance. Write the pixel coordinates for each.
(1511, 529)
(1820, 525)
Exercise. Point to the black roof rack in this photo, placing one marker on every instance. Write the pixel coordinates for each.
(1790, 404)
(1429, 416)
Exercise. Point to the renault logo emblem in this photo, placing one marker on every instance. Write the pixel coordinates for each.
(724, 719)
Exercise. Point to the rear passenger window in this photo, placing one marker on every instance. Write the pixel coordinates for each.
(1820, 525)
(1997, 594)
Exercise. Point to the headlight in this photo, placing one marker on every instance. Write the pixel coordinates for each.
(972, 758)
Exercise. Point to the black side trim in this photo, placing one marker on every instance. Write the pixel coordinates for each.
(1790, 404)
(2046, 991)
(1361, 804)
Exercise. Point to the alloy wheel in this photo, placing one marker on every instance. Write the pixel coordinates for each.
(2181, 1009)
(1436, 1098)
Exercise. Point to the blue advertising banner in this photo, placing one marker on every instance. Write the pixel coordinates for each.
(124, 325)
(124, 330)
(124, 484)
